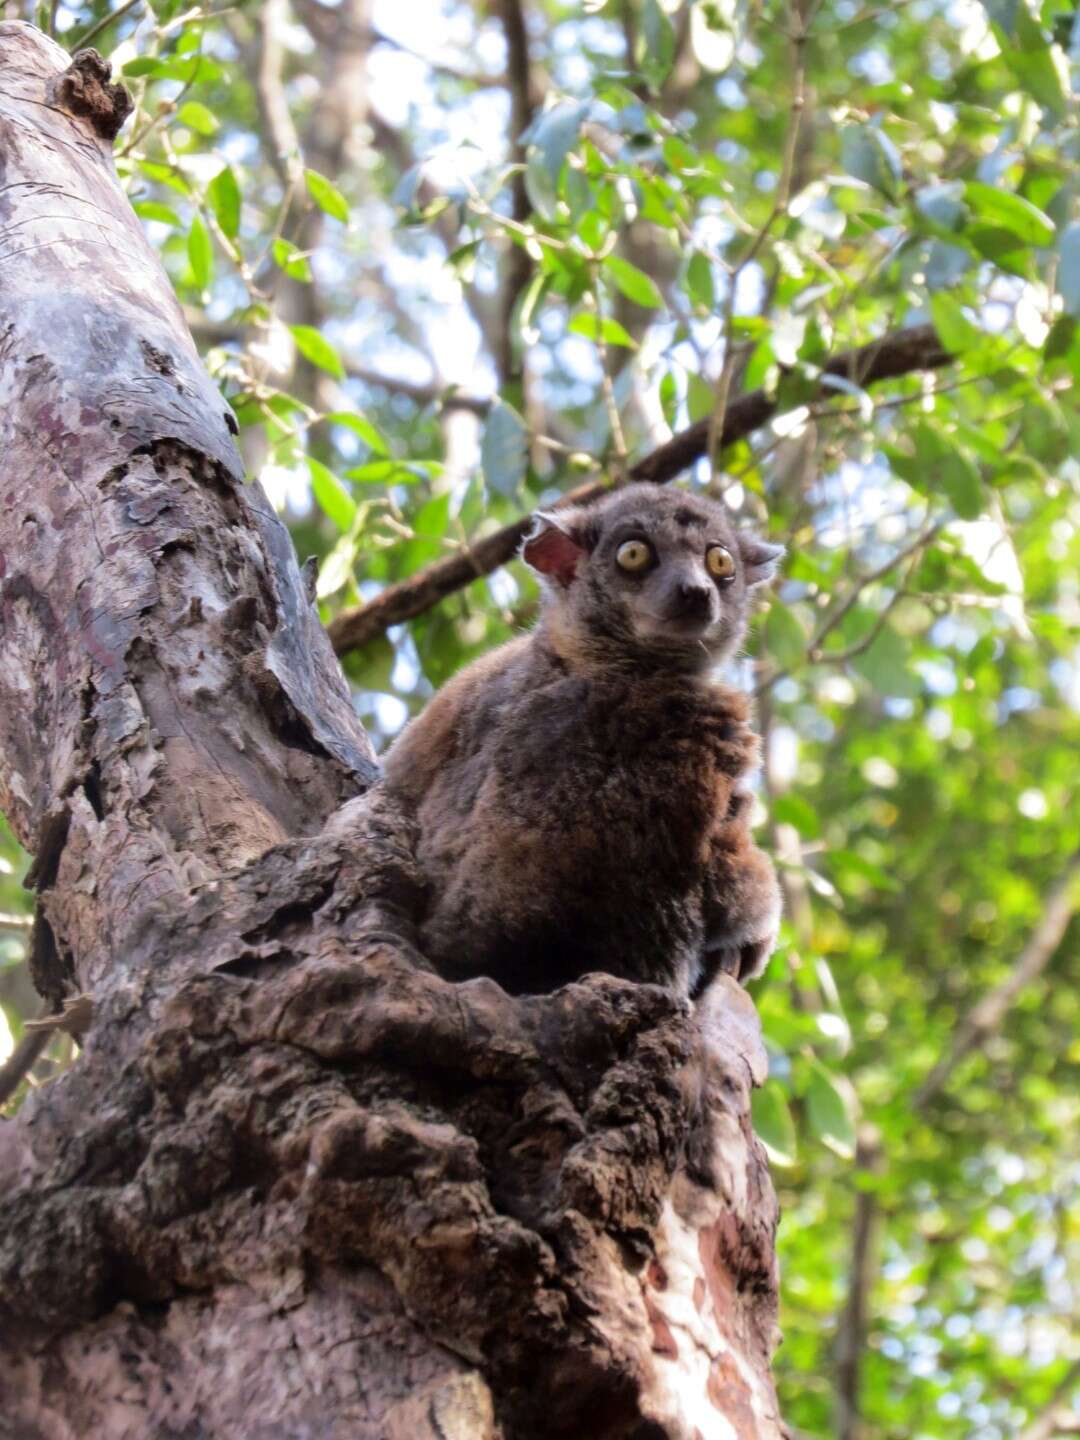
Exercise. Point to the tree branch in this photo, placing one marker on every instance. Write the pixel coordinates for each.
(446, 397)
(23, 1059)
(898, 354)
(285, 150)
(852, 1327)
(1051, 1422)
(987, 1014)
(525, 99)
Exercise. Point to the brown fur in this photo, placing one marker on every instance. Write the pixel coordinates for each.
(581, 792)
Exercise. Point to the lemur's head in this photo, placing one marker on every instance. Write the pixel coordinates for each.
(650, 576)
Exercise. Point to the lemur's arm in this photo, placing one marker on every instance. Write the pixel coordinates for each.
(741, 900)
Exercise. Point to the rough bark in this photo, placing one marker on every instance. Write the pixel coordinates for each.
(297, 1184)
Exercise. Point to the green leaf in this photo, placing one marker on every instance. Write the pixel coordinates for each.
(551, 139)
(462, 261)
(1069, 268)
(528, 304)
(224, 195)
(142, 65)
(867, 153)
(700, 286)
(154, 210)
(315, 347)
(785, 638)
(336, 570)
(1038, 64)
(187, 71)
(197, 117)
(634, 283)
(1062, 333)
(588, 323)
(830, 1111)
(1000, 209)
(945, 466)
(792, 809)
(363, 429)
(773, 1124)
(655, 46)
(942, 204)
(293, 261)
(669, 398)
(504, 450)
(200, 253)
(700, 397)
(385, 472)
(327, 196)
(955, 330)
(334, 500)
(712, 33)
(884, 665)
(429, 527)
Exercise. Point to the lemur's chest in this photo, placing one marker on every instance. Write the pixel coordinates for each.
(619, 764)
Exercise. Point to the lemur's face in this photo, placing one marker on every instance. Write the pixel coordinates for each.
(657, 574)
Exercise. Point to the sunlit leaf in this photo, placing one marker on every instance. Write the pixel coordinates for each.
(314, 346)
(363, 429)
(200, 253)
(333, 499)
(830, 1111)
(870, 155)
(327, 196)
(773, 1124)
(552, 137)
(197, 117)
(294, 263)
(1069, 268)
(589, 324)
(224, 196)
(633, 283)
(1009, 212)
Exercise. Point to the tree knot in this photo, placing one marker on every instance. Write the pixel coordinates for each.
(86, 89)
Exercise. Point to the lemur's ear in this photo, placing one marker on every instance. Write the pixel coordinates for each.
(555, 547)
(760, 558)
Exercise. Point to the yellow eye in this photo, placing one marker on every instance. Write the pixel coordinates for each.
(634, 555)
(719, 562)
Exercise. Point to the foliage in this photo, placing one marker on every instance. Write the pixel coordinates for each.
(428, 319)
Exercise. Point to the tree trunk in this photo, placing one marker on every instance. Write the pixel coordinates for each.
(296, 1184)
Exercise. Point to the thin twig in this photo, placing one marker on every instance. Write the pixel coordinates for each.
(23, 1059)
(607, 385)
(103, 24)
(838, 613)
(986, 1016)
(780, 204)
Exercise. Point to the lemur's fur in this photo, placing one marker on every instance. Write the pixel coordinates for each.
(581, 793)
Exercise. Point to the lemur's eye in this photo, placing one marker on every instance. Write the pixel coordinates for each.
(634, 555)
(719, 562)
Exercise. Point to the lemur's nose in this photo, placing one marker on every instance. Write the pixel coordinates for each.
(692, 600)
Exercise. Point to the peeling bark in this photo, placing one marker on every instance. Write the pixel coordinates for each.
(297, 1184)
